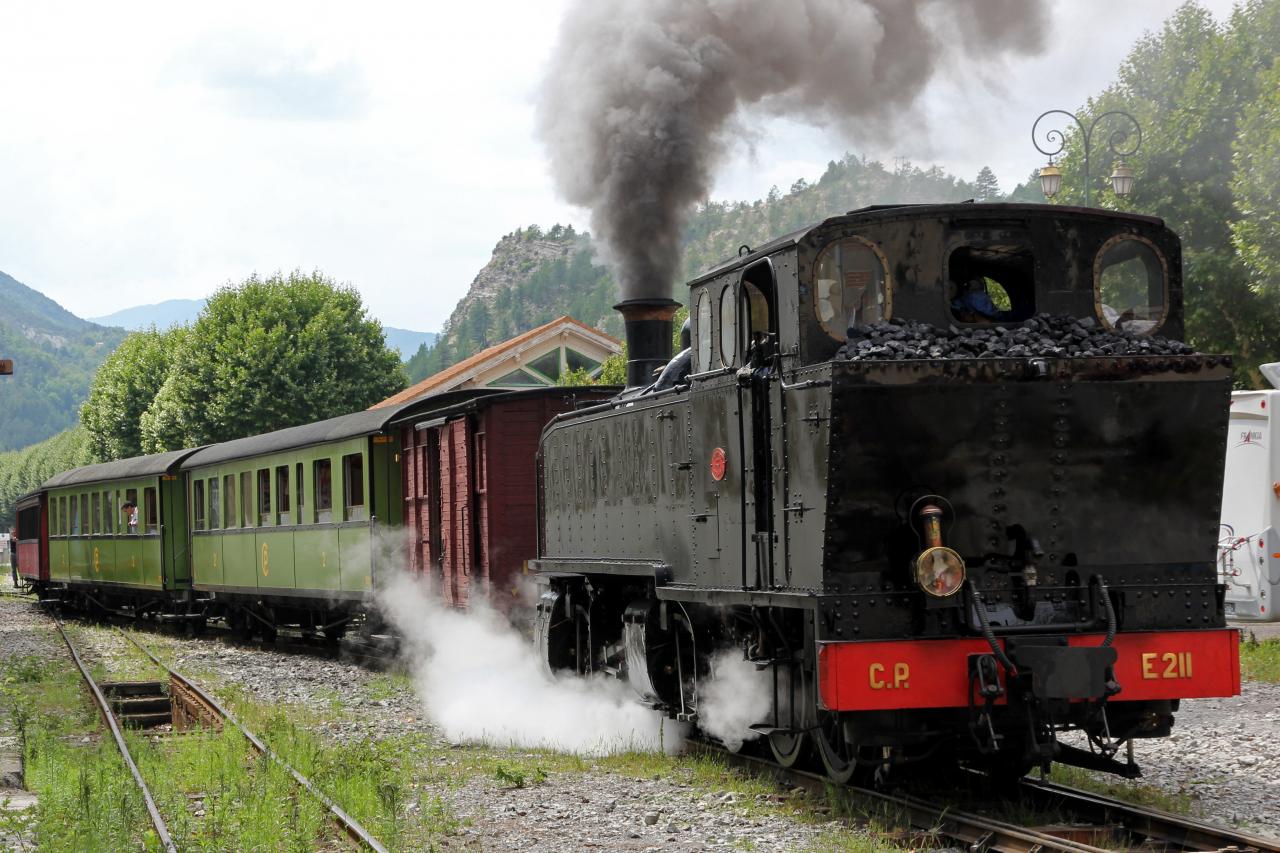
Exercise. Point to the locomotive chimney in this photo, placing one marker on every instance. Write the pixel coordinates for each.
(648, 323)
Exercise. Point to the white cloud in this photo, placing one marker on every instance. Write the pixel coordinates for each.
(155, 150)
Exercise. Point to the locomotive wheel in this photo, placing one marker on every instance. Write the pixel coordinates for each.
(787, 746)
(839, 756)
(790, 742)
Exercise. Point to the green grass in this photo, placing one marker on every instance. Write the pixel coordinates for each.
(1124, 789)
(212, 788)
(1260, 661)
(87, 800)
(217, 794)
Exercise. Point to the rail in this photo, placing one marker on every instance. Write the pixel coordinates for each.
(1178, 830)
(977, 832)
(1142, 827)
(348, 823)
(162, 831)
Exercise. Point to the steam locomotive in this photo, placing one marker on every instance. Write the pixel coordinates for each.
(944, 473)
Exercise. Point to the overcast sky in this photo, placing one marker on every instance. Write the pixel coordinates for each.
(155, 151)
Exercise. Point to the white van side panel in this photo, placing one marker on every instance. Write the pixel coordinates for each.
(1249, 542)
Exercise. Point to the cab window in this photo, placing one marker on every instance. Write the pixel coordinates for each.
(703, 331)
(851, 286)
(728, 325)
(1129, 285)
(992, 281)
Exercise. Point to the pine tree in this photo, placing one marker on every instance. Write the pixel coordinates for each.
(986, 186)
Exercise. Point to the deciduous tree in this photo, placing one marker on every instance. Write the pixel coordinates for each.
(124, 388)
(267, 354)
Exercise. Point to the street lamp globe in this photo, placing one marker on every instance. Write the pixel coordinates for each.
(1121, 179)
(1051, 180)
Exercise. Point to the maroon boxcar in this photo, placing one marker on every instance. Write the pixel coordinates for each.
(470, 487)
(33, 539)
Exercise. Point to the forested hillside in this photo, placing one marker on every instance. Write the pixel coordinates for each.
(22, 470)
(55, 354)
(536, 276)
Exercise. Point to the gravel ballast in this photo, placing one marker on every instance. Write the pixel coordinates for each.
(1224, 754)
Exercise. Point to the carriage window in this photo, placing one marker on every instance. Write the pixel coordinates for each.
(728, 325)
(229, 495)
(75, 515)
(151, 511)
(703, 332)
(197, 504)
(850, 290)
(353, 486)
(301, 493)
(282, 494)
(323, 482)
(264, 497)
(129, 518)
(246, 499)
(109, 512)
(62, 515)
(96, 517)
(29, 524)
(993, 281)
(1129, 285)
(215, 506)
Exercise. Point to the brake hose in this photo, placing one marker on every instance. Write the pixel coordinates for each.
(1111, 613)
(987, 633)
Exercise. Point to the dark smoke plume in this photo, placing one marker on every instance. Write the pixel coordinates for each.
(638, 103)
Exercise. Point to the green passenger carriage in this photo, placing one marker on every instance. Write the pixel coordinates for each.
(94, 545)
(285, 526)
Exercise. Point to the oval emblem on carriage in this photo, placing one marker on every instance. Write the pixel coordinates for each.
(718, 464)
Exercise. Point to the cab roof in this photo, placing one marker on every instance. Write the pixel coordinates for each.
(887, 212)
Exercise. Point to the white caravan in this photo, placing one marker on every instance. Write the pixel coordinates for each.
(1249, 550)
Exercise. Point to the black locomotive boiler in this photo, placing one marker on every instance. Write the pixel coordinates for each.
(945, 473)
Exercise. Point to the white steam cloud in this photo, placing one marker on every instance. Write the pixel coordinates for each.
(736, 697)
(640, 97)
(482, 682)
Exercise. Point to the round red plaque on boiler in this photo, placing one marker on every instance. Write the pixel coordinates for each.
(717, 464)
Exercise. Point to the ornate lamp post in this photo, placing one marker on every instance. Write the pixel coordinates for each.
(1121, 175)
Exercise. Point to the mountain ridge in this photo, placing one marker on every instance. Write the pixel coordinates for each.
(55, 355)
(171, 312)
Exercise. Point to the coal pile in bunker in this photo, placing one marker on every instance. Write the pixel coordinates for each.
(1043, 336)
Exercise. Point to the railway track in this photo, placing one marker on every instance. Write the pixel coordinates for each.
(348, 823)
(109, 717)
(1176, 832)
(1112, 825)
(196, 704)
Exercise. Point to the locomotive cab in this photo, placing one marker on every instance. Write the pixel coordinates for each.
(945, 471)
